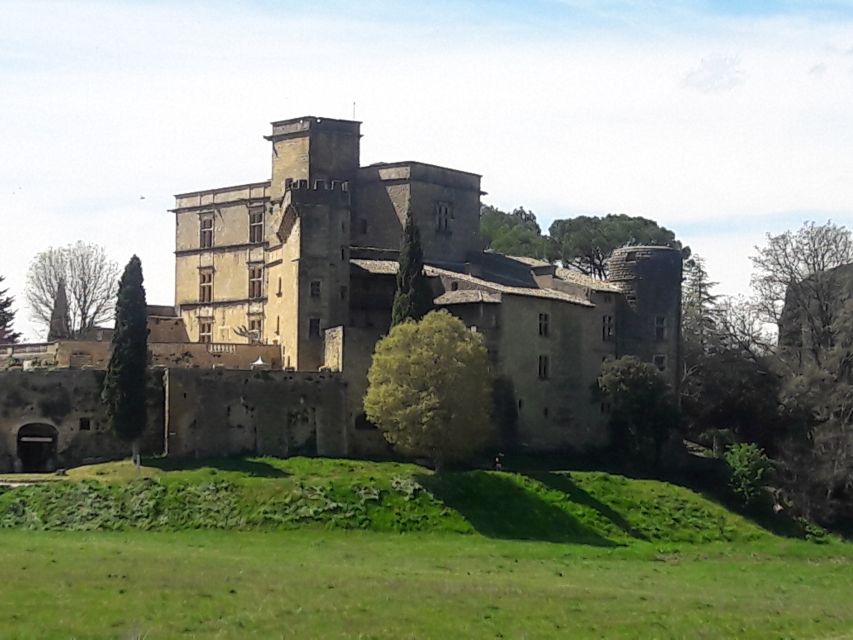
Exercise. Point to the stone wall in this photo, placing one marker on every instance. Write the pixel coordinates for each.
(276, 413)
(66, 406)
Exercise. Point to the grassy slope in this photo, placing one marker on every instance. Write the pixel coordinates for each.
(319, 584)
(264, 493)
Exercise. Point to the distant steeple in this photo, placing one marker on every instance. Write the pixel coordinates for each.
(60, 327)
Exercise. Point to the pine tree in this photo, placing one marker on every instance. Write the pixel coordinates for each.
(124, 384)
(59, 328)
(7, 317)
(413, 299)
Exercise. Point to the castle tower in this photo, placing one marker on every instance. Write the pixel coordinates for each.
(648, 317)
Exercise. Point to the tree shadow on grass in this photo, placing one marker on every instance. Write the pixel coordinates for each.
(498, 507)
(563, 483)
(247, 466)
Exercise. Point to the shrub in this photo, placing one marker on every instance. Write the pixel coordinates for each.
(750, 470)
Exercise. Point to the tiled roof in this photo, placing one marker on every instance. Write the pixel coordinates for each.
(465, 296)
(576, 277)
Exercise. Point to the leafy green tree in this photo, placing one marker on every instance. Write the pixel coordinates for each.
(413, 298)
(7, 317)
(515, 234)
(430, 389)
(644, 414)
(124, 384)
(749, 471)
(586, 242)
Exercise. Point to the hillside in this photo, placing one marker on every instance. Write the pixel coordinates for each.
(263, 494)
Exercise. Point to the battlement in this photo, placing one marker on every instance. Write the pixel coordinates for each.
(335, 192)
(299, 127)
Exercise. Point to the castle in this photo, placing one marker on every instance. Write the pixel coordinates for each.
(299, 270)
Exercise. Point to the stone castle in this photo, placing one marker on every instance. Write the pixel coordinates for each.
(296, 276)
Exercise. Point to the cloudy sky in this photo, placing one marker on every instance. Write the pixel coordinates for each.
(722, 120)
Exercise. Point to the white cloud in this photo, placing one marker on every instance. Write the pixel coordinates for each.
(715, 74)
(104, 102)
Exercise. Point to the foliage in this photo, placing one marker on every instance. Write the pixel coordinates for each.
(7, 317)
(89, 277)
(124, 383)
(515, 234)
(750, 469)
(586, 242)
(643, 412)
(804, 281)
(413, 298)
(430, 389)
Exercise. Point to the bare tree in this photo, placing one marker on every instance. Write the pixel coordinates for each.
(90, 279)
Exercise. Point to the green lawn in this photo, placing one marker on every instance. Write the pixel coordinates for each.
(316, 548)
(354, 584)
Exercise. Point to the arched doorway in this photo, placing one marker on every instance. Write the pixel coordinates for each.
(37, 447)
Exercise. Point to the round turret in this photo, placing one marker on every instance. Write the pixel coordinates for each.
(648, 322)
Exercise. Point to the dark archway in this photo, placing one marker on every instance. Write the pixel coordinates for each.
(37, 447)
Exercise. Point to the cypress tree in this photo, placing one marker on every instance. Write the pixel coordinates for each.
(413, 299)
(124, 384)
(7, 317)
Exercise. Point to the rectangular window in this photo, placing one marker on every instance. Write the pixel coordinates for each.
(443, 216)
(544, 321)
(544, 366)
(205, 286)
(660, 328)
(313, 327)
(256, 329)
(256, 226)
(206, 239)
(277, 325)
(256, 282)
(205, 330)
(85, 424)
(660, 362)
(314, 288)
(343, 293)
(278, 293)
(607, 332)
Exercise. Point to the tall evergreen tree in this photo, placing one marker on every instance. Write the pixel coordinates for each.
(7, 317)
(60, 326)
(413, 299)
(124, 384)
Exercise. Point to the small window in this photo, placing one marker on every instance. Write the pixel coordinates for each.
(520, 404)
(256, 282)
(206, 239)
(205, 330)
(443, 216)
(362, 226)
(544, 321)
(660, 328)
(660, 362)
(607, 332)
(277, 325)
(544, 366)
(85, 424)
(314, 288)
(343, 293)
(256, 329)
(545, 412)
(454, 286)
(343, 253)
(313, 327)
(604, 408)
(205, 286)
(256, 226)
(278, 292)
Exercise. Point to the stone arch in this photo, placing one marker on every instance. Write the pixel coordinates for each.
(36, 447)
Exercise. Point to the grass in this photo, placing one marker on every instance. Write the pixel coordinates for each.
(323, 584)
(307, 548)
(271, 494)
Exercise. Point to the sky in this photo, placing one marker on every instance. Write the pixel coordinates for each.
(723, 121)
